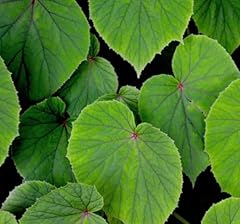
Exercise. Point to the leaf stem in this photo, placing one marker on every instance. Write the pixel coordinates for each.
(180, 218)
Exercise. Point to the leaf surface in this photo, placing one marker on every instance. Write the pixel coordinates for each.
(137, 29)
(136, 169)
(42, 43)
(223, 138)
(71, 204)
(39, 152)
(7, 218)
(179, 104)
(93, 78)
(25, 195)
(224, 212)
(219, 20)
(9, 111)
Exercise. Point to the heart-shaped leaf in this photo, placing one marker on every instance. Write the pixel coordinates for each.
(39, 152)
(7, 218)
(137, 30)
(224, 212)
(71, 204)
(219, 20)
(223, 140)
(178, 104)
(9, 111)
(42, 43)
(25, 195)
(136, 169)
(93, 78)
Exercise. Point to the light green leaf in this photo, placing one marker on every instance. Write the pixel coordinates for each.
(219, 20)
(7, 218)
(9, 111)
(128, 95)
(178, 104)
(91, 80)
(42, 43)
(223, 138)
(136, 169)
(224, 212)
(112, 220)
(71, 204)
(94, 47)
(137, 30)
(25, 195)
(39, 153)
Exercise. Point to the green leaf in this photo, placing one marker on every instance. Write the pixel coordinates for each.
(25, 195)
(127, 95)
(42, 43)
(39, 153)
(219, 20)
(71, 204)
(137, 30)
(91, 80)
(222, 138)
(112, 220)
(136, 169)
(9, 111)
(178, 104)
(7, 218)
(94, 46)
(224, 212)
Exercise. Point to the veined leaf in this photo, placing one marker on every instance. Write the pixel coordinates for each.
(137, 30)
(219, 20)
(9, 111)
(39, 153)
(224, 212)
(179, 104)
(94, 78)
(42, 43)
(7, 218)
(71, 204)
(25, 195)
(136, 169)
(223, 139)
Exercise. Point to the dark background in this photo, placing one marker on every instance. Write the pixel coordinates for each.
(194, 202)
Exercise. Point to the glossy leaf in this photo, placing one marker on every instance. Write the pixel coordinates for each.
(42, 43)
(179, 104)
(137, 30)
(136, 169)
(7, 218)
(219, 20)
(223, 140)
(9, 111)
(71, 204)
(224, 212)
(25, 195)
(94, 78)
(39, 153)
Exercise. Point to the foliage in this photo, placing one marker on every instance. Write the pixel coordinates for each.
(90, 147)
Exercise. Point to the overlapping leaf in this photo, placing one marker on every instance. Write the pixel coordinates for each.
(9, 111)
(219, 20)
(224, 212)
(42, 43)
(71, 204)
(128, 95)
(25, 195)
(136, 169)
(223, 139)
(39, 153)
(137, 30)
(178, 105)
(94, 78)
(7, 218)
